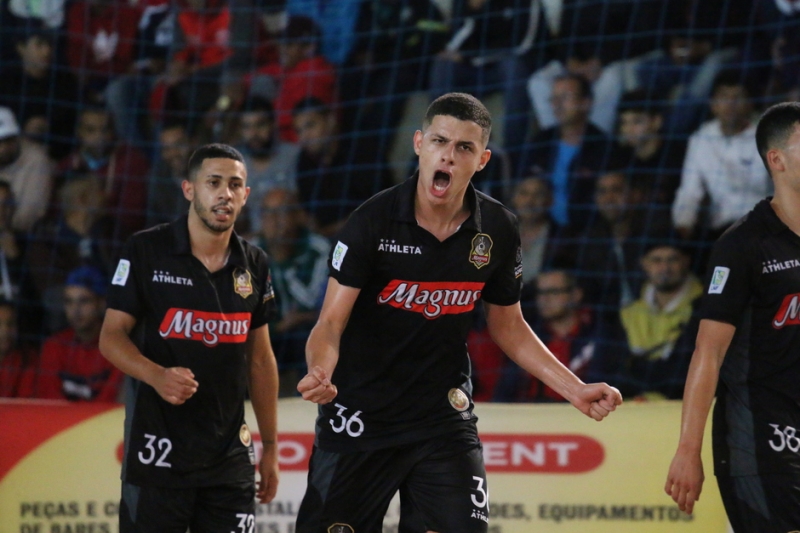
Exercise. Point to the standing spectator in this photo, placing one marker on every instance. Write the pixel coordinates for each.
(334, 174)
(721, 161)
(17, 362)
(299, 276)
(656, 162)
(336, 20)
(42, 96)
(101, 40)
(165, 200)
(301, 72)
(270, 162)
(75, 234)
(570, 154)
(26, 166)
(487, 52)
(120, 169)
(568, 329)
(656, 321)
(71, 365)
(608, 255)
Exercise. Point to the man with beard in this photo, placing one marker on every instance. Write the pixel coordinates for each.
(27, 168)
(199, 298)
(165, 202)
(270, 163)
(656, 321)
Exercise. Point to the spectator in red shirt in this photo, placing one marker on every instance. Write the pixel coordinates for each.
(17, 364)
(71, 365)
(101, 40)
(121, 170)
(302, 72)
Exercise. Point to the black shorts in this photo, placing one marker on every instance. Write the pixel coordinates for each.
(761, 504)
(442, 484)
(222, 509)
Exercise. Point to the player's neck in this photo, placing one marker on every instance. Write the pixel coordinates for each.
(210, 247)
(440, 220)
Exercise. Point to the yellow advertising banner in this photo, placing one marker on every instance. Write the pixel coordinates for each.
(550, 469)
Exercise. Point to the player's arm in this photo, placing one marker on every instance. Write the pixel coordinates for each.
(263, 382)
(685, 478)
(175, 385)
(322, 348)
(515, 337)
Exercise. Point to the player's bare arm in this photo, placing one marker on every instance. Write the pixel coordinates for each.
(515, 337)
(322, 348)
(685, 478)
(263, 381)
(175, 385)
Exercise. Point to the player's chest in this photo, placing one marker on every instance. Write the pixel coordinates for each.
(778, 287)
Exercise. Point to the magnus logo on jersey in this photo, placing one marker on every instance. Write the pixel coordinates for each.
(208, 328)
(788, 312)
(160, 276)
(773, 265)
(432, 298)
(388, 245)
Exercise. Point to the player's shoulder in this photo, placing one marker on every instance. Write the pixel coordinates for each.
(254, 255)
(494, 211)
(155, 238)
(751, 229)
(381, 202)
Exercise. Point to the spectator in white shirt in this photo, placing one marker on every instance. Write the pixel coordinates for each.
(723, 162)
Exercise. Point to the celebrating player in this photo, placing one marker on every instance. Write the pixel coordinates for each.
(387, 357)
(748, 352)
(187, 319)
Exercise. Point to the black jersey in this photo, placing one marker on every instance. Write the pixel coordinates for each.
(188, 317)
(753, 283)
(404, 347)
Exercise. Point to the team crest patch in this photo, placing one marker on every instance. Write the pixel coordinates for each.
(244, 435)
(340, 528)
(481, 250)
(242, 283)
(458, 400)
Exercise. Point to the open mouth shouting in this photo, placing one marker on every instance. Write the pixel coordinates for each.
(441, 182)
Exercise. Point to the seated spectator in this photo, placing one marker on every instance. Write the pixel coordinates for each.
(71, 366)
(120, 169)
(654, 323)
(27, 89)
(76, 234)
(570, 330)
(570, 153)
(682, 77)
(18, 364)
(656, 162)
(270, 162)
(334, 174)
(539, 233)
(301, 73)
(101, 40)
(722, 162)
(611, 245)
(486, 53)
(299, 270)
(27, 168)
(16, 285)
(165, 197)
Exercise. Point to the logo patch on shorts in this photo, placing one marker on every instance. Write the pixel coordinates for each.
(718, 280)
(340, 528)
(458, 400)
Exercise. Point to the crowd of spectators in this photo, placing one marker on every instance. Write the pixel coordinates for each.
(624, 143)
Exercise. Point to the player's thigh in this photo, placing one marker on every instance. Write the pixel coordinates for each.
(226, 508)
(761, 504)
(448, 493)
(147, 509)
(350, 492)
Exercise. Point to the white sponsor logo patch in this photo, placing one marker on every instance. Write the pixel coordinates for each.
(338, 255)
(121, 275)
(718, 280)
